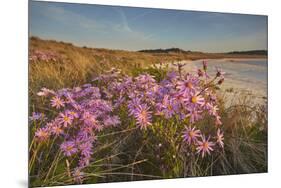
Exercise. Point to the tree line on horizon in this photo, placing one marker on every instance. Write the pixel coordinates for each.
(178, 50)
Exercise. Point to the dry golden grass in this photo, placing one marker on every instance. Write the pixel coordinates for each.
(82, 63)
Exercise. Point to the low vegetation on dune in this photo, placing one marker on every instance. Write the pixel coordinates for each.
(99, 115)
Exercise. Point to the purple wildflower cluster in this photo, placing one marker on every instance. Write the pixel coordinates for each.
(85, 111)
(186, 97)
(82, 113)
(194, 137)
(36, 116)
(46, 56)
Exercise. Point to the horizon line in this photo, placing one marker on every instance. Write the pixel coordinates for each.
(162, 48)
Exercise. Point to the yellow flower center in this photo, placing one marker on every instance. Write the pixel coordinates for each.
(57, 130)
(170, 107)
(43, 134)
(191, 134)
(205, 145)
(69, 148)
(194, 99)
(65, 118)
(189, 85)
(143, 113)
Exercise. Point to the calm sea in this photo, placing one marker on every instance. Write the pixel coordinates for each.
(247, 74)
(253, 70)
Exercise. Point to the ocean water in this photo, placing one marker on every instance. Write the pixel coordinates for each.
(250, 70)
(248, 75)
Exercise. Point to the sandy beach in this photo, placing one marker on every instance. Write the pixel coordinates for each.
(244, 77)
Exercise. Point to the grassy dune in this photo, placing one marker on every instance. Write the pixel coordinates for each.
(83, 63)
(124, 153)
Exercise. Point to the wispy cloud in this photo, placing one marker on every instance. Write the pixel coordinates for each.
(123, 26)
(137, 28)
(64, 16)
(139, 16)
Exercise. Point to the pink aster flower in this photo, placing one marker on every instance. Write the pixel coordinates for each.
(191, 134)
(194, 115)
(143, 116)
(42, 134)
(45, 92)
(98, 127)
(111, 121)
(65, 119)
(89, 119)
(57, 130)
(168, 107)
(220, 138)
(57, 102)
(78, 175)
(72, 114)
(133, 104)
(84, 161)
(69, 148)
(172, 75)
(86, 149)
(179, 97)
(204, 146)
(145, 80)
(218, 120)
(196, 99)
(37, 116)
(188, 86)
(213, 109)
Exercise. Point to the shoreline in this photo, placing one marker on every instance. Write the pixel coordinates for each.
(223, 59)
(238, 84)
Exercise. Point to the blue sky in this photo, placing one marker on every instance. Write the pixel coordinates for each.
(142, 28)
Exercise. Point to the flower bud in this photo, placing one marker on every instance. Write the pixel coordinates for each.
(205, 65)
(218, 74)
(200, 73)
(220, 81)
